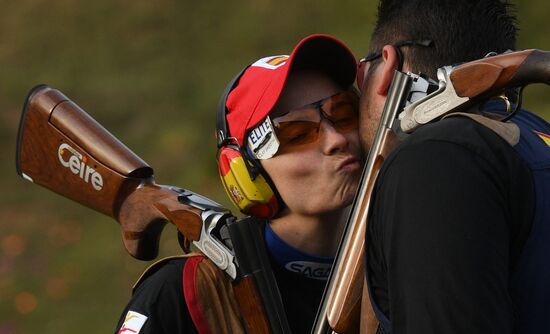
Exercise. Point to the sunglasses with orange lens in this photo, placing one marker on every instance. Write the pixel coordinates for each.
(302, 125)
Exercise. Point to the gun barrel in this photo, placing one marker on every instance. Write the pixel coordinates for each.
(341, 304)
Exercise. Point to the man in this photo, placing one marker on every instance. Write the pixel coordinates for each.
(458, 228)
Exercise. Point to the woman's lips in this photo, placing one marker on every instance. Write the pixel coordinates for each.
(350, 164)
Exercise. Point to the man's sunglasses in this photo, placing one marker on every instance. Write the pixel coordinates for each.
(302, 125)
(362, 64)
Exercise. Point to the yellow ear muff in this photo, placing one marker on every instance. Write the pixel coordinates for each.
(251, 197)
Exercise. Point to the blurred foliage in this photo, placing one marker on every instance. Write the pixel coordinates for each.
(151, 72)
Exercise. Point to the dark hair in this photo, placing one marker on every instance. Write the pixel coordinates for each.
(461, 30)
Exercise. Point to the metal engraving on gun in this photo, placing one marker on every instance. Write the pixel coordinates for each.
(434, 105)
(214, 217)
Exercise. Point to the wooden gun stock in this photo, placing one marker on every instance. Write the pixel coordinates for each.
(251, 306)
(65, 150)
(492, 74)
(345, 303)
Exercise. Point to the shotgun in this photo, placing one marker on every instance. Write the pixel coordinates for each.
(63, 149)
(413, 100)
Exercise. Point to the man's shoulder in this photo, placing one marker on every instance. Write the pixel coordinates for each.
(460, 133)
(459, 130)
(450, 144)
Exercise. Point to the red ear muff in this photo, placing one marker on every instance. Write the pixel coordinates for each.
(251, 197)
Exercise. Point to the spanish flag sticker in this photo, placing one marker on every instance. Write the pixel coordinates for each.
(275, 61)
(272, 62)
(543, 136)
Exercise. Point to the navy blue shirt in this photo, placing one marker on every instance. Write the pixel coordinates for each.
(452, 207)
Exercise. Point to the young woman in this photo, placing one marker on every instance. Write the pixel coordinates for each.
(293, 121)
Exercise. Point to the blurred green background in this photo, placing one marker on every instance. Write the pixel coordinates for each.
(151, 72)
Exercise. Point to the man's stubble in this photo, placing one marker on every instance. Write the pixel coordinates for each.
(369, 114)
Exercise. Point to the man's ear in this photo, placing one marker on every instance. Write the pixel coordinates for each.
(389, 64)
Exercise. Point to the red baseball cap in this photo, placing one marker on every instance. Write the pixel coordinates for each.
(262, 82)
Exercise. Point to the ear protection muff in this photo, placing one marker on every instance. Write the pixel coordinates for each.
(244, 180)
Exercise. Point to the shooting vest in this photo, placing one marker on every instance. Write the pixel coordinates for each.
(530, 278)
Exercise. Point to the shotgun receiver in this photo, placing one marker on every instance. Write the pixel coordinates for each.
(64, 149)
(412, 101)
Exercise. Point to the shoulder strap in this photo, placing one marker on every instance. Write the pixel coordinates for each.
(506, 130)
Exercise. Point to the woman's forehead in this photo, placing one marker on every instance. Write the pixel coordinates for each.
(302, 88)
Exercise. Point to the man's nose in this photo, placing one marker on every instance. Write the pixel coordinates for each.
(331, 138)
